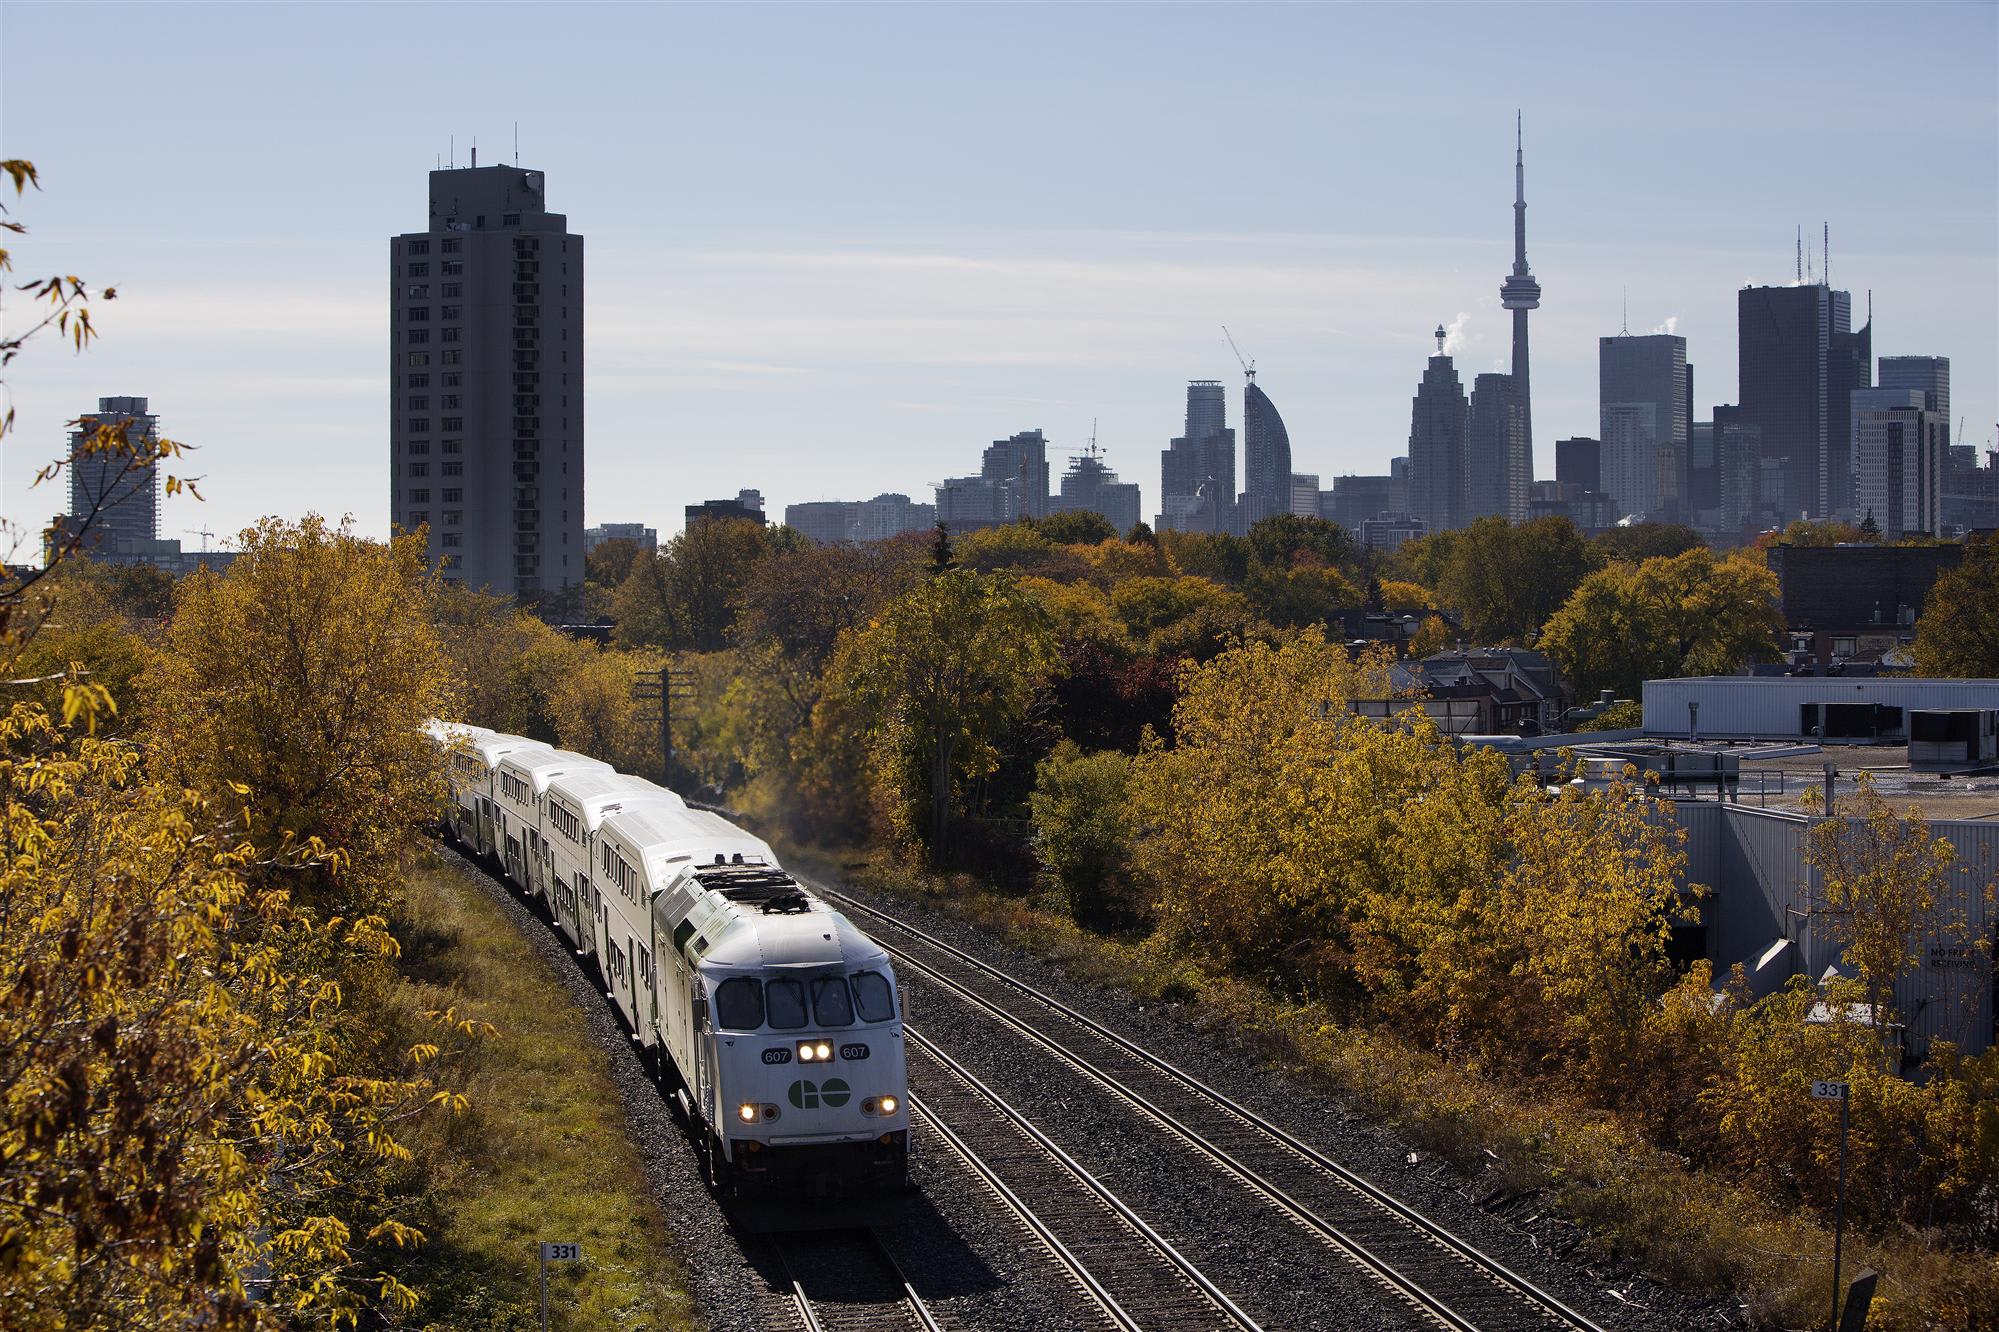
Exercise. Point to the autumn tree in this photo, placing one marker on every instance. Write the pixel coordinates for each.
(937, 674)
(1505, 579)
(297, 681)
(1285, 540)
(194, 1130)
(1959, 632)
(686, 595)
(1883, 881)
(1589, 905)
(1686, 614)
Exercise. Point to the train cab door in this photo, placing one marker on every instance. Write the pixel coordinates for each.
(703, 1048)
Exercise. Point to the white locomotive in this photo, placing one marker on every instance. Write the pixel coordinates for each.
(773, 1023)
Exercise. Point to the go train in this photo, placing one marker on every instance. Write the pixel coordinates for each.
(771, 1022)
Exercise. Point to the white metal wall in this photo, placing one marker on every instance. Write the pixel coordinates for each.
(1760, 707)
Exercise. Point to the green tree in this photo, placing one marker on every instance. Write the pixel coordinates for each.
(1686, 614)
(1082, 829)
(1076, 527)
(938, 674)
(1959, 632)
(1644, 541)
(1506, 579)
(1216, 556)
(1285, 539)
(1818, 532)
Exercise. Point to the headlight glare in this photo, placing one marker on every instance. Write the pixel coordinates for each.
(888, 1104)
(823, 1051)
(748, 1112)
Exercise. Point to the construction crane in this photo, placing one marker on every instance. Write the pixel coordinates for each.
(1248, 367)
(201, 532)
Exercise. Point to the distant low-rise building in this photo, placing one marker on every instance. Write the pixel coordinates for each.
(646, 538)
(827, 522)
(748, 504)
(1387, 532)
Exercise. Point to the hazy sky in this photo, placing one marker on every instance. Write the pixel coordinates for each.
(835, 250)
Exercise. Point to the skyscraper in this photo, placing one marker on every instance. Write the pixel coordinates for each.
(1197, 469)
(1266, 456)
(1438, 426)
(1796, 348)
(1579, 462)
(1928, 374)
(1642, 403)
(1521, 293)
(1903, 453)
(486, 382)
(1495, 483)
(126, 502)
(1021, 462)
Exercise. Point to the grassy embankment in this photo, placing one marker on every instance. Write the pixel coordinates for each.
(1637, 1203)
(542, 1152)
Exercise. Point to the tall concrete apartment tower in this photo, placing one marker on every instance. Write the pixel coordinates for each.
(486, 376)
(127, 504)
(1521, 293)
(1266, 457)
(1439, 426)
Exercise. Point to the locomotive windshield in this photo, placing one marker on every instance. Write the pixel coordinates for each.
(745, 1004)
(871, 995)
(787, 1004)
(832, 1004)
(739, 1004)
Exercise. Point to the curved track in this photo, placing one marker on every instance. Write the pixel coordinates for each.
(1444, 1276)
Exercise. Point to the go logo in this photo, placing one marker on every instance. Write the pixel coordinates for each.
(808, 1095)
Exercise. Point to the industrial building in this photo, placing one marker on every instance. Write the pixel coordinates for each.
(1816, 708)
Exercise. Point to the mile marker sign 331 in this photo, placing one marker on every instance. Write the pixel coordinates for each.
(561, 1253)
(1828, 1091)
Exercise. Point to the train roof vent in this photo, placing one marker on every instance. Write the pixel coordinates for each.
(770, 890)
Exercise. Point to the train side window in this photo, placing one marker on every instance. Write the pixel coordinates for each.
(739, 1004)
(832, 1002)
(872, 997)
(786, 999)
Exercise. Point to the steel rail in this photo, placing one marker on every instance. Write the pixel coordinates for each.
(807, 1307)
(1039, 1228)
(1483, 1263)
(1131, 1218)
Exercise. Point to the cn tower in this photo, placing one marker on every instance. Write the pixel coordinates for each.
(1520, 292)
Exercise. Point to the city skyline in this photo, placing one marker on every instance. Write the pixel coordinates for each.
(871, 346)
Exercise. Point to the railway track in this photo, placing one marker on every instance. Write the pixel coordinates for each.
(1443, 1276)
(848, 1281)
(1138, 1279)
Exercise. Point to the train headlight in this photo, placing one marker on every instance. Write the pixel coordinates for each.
(822, 1052)
(747, 1112)
(888, 1105)
(814, 1052)
(879, 1105)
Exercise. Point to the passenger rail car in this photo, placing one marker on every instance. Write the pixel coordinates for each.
(474, 758)
(578, 803)
(773, 1023)
(520, 792)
